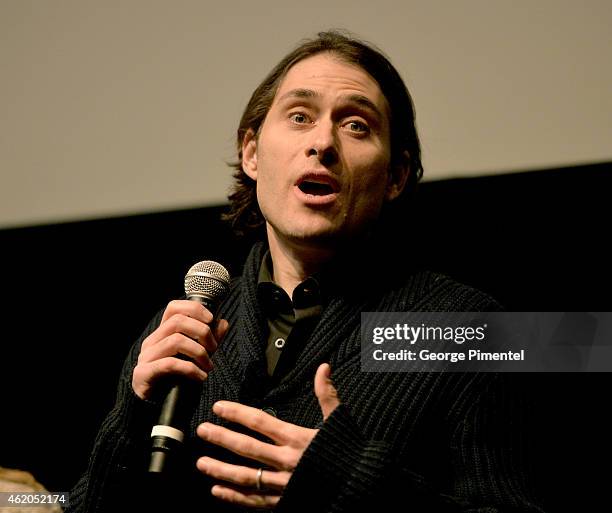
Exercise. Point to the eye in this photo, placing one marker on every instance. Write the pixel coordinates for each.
(357, 127)
(299, 118)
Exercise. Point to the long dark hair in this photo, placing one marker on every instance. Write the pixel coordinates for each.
(244, 215)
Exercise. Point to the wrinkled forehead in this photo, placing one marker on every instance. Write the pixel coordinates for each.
(324, 70)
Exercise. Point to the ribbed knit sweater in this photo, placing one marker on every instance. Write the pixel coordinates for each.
(414, 442)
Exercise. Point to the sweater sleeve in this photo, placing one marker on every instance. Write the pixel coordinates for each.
(120, 446)
(343, 471)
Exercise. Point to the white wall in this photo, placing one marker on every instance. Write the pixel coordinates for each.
(110, 107)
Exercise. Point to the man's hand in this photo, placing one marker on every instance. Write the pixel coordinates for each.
(185, 329)
(253, 487)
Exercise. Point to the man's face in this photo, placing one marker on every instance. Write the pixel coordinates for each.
(322, 157)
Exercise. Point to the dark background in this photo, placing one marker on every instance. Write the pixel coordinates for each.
(76, 295)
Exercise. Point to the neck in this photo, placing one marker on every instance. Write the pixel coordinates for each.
(293, 263)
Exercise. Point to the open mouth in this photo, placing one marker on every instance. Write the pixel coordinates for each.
(316, 188)
(318, 184)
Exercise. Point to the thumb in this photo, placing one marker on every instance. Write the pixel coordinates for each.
(325, 391)
(220, 329)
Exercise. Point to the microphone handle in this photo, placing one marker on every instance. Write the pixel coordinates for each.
(168, 434)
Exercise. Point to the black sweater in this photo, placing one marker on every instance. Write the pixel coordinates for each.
(398, 442)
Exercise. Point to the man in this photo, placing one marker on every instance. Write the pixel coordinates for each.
(327, 148)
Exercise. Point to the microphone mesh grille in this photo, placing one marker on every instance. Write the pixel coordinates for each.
(207, 278)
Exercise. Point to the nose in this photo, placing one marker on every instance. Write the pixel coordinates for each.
(323, 144)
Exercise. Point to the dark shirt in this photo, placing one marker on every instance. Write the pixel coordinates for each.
(290, 320)
(432, 442)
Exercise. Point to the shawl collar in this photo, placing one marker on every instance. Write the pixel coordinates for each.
(347, 293)
(240, 363)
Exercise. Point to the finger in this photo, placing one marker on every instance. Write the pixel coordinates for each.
(178, 367)
(325, 391)
(243, 476)
(220, 329)
(192, 309)
(177, 344)
(257, 420)
(192, 328)
(147, 374)
(243, 445)
(246, 498)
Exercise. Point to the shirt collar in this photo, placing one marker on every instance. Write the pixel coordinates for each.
(274, 299)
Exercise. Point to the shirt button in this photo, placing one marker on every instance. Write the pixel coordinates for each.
(279, 343)
(269, 411)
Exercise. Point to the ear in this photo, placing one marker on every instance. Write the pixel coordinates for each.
(398, 176)
(249, 154)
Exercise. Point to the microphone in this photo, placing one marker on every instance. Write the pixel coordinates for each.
(206, 282)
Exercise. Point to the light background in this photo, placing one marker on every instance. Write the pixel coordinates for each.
(113, 107)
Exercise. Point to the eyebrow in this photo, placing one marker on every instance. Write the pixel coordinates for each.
(358, 99)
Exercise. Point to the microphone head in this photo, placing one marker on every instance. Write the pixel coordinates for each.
(207, 280)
